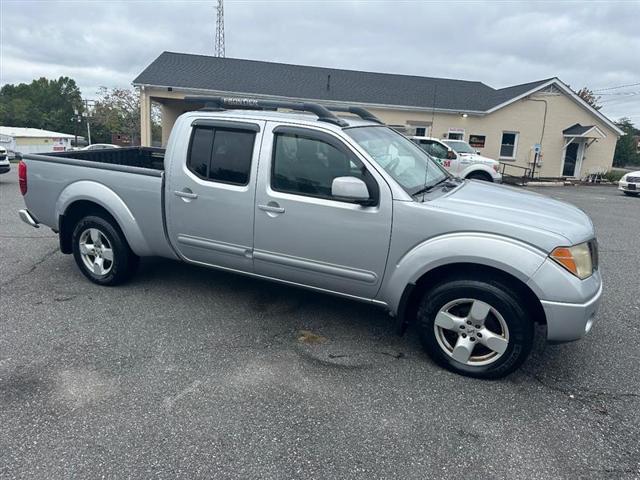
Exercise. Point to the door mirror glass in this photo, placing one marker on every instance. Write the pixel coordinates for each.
(451, 155)
(350, 188)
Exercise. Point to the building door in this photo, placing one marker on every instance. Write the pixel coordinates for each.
(572, 159)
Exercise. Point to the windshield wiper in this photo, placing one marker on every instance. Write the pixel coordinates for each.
(448, 181)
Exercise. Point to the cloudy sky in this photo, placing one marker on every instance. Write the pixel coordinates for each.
(499, 43)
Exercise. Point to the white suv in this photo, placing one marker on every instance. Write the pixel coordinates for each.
(460, 159)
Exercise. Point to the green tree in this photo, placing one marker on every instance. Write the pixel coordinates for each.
(626, 149)
(43, 103)
(117, 111)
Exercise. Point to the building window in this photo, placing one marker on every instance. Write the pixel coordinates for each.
(477, 141)
(509, 145)
(421, 131)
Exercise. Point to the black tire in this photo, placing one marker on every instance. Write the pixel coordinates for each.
(631, 194)
(511, 308)
(484, 176)
(124, 262)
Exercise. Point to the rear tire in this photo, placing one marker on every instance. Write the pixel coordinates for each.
(484, 176)
(101, 251)
(477, 328)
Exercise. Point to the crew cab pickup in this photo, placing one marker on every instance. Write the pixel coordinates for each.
(342, 205)
(460, 159)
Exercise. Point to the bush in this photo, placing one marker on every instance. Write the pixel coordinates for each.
(614, 175)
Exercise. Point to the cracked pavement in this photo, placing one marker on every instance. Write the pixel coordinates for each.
(193, 373)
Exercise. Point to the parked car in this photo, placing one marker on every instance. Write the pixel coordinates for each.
(5, 166)
(630, 183)
(460, 159)
(345, 206)
(99, 146)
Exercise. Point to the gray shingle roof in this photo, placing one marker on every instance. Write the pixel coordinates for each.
(180, 70)
(576, 129)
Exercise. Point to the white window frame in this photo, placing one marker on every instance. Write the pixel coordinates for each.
(515, 145)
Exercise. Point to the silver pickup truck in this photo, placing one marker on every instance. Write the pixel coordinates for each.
(343, 205)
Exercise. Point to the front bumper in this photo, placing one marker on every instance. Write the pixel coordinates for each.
(567, 322)
(629, 187)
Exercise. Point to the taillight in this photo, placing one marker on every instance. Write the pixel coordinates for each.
(22, 177)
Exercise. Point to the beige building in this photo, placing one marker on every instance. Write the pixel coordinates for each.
(510, 124)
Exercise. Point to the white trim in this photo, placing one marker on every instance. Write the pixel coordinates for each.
(515, 146)
(568, 91)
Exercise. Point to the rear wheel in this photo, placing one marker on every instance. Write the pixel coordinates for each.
(102, 252)
(476, 328)
(484, 176)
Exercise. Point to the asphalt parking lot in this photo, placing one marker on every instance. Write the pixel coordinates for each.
(193, 373)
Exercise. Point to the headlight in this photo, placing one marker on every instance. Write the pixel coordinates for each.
(624, 178)
(576, 259)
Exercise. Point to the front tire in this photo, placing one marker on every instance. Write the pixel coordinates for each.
(484, 176)
(631, 194)
(477, 328)
(101, 251)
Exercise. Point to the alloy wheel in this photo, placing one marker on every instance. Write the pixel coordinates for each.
(471, 331)
(96, 251)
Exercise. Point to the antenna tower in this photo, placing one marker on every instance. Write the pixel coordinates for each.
(219, 41)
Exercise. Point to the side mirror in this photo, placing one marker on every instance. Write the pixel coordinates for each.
(350, 189)
(451, 155)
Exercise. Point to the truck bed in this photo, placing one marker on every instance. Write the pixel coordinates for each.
(141, 157)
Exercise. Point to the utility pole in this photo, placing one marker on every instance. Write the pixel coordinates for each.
(219, 40)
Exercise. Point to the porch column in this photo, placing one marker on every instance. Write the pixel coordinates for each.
(145, 118)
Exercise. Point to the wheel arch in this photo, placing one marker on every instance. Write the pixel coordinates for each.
(83, 198)
(413, 292)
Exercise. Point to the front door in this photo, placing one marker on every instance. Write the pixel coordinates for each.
(305, 236)
(572, 159)
(210, 193)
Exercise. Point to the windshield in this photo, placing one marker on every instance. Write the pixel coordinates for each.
(407, 163)
(460, 147)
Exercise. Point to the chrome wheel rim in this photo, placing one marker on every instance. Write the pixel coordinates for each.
(471, 332)
(96, 251)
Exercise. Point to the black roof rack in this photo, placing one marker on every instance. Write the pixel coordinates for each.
(243, 103)
(359, 111)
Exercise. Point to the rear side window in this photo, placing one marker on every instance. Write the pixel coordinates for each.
(221, 154)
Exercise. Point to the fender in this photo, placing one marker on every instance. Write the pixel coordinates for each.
(112, 203)
(503, 253)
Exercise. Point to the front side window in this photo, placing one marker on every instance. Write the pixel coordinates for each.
(435, 149)
(305, 165)
(508, 145)
(221, 154)
(409, 165)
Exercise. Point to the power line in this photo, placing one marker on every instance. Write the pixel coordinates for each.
(219, 40)
(615, 88)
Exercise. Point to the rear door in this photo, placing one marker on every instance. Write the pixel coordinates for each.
(302, 234)
(210, 193)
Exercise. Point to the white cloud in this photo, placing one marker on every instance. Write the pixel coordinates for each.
(501, 44)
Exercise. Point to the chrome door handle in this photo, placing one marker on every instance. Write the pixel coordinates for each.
(179, 193)
(271, 208)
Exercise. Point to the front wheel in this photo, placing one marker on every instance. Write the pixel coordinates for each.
(476, 328)
(631, 194)
(484, 176)
(101, 251)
